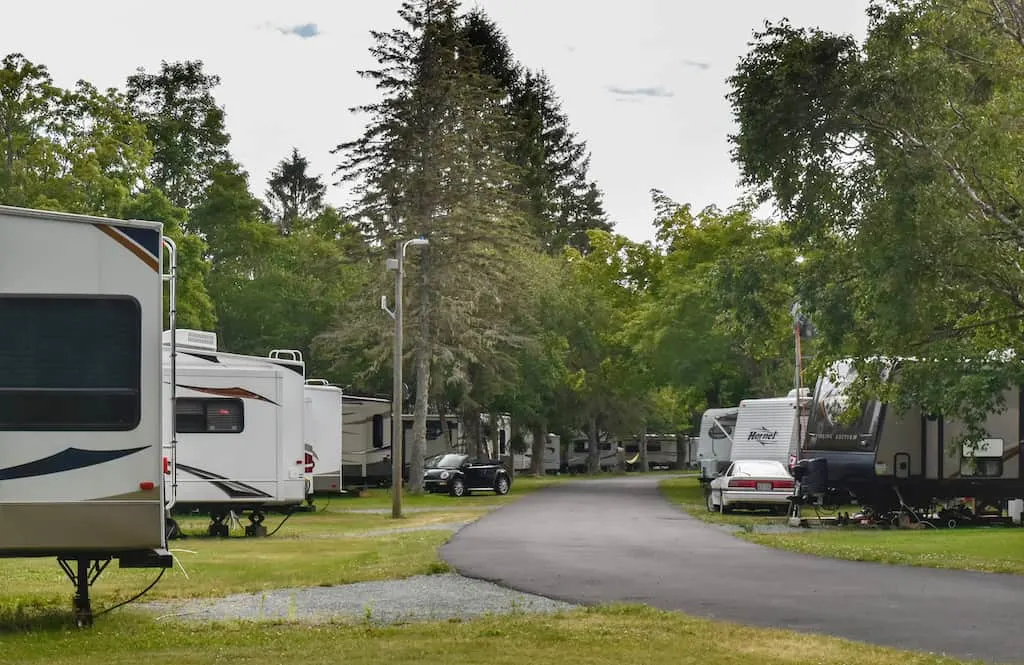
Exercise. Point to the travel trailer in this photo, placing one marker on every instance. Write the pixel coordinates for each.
(324, 441)
(366, 433)
(579, 450)
(769, 429)
(238, 431)
(81, 307)
(662, 451)
(366, 427)
(714, 442)
(523, 462)
(888, 460)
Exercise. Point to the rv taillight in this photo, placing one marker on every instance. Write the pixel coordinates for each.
(167, 466)
(309, 463)
(782, 484)
(747, 483)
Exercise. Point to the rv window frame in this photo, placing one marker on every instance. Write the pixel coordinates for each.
(135, 390)
(206, 402)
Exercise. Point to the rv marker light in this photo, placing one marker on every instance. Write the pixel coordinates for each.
(146, 485)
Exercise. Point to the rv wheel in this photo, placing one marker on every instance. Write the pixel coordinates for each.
(458, 487)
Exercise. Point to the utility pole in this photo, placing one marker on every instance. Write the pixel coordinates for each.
(397, 424)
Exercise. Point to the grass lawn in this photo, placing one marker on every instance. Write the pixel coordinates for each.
(381, 498)
(996, 550)
(993, 550)
(614, 635)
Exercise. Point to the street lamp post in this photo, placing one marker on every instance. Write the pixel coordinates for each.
(397, 426)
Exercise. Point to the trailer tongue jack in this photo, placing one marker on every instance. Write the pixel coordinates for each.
(84, 573)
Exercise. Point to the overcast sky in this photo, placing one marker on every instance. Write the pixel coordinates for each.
(643, 81)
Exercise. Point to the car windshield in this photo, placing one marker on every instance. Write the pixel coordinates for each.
(760, 468)
(446, 461)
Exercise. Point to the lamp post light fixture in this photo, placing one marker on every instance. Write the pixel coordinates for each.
(397, 426)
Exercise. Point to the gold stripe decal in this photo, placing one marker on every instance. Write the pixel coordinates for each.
(131, 246)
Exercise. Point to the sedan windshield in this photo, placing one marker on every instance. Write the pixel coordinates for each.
(760, 469)
(447, 461)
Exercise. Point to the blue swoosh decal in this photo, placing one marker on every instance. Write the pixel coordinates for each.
(68, 459)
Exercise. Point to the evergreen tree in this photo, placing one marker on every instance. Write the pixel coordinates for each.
(293, 193)
(432, 163)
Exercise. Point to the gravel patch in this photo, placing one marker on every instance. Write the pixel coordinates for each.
(420, 598)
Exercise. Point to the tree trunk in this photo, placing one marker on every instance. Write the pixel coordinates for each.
(682, 448)
(451, 440)
(642, 462)
(593, 448)
(471, 430)
(419, 421)
(539, 447)
(516, 434)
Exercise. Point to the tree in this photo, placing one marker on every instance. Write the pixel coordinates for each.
(184, 124)
(432, 163)
(898, 163)
(293, 193)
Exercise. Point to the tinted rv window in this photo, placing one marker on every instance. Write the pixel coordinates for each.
(209, 416)
(378, 431)
(70, 363)
(826, 430)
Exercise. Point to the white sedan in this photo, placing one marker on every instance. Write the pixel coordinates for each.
(751, 484)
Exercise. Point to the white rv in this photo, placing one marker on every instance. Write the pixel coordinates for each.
(769, 429)
(714, 441)
(366, 456)
(324, 439)
(662, 451)
(238, 432)
(81, 304)
(579, 451)
(523, 462)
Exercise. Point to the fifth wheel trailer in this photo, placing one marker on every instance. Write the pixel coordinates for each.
(81, 307)
(323, 430)
(888, 460)
(238, 432)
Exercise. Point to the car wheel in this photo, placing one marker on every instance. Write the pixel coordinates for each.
(458, 487)
(501, 485)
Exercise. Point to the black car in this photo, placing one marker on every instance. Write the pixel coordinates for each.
(460, 474)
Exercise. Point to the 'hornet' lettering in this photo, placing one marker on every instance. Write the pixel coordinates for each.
(762, 435)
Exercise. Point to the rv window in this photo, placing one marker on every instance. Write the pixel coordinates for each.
(70, 363)
(982, 467)
(209, 416)
(605, 446)
(378, 431)
(579, 446)
(654, 446)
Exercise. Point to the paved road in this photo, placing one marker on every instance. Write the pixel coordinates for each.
(618, 540)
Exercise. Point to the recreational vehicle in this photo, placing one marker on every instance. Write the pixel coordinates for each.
(322, 427)
(523, 462)
(579, 451)
(662, 451)
(714, 442)
(238, 431)
(888, 460)
(81, 307)
(366, 425)
(769, 429)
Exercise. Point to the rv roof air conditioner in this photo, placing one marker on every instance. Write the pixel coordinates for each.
(192, 339)
(286, 354)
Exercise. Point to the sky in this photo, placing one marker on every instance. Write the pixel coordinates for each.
(642, 82)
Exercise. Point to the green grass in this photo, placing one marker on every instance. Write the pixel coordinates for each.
(613, 635)
(381, 498)
(993, 550)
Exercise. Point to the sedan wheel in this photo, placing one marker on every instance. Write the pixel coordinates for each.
(458, 487)
(501, 485)
(709, 502)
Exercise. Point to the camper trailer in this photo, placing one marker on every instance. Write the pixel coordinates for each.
(366, 425)
(523, 462)
(579, 450)
(324, 441)
(714, 442)
(81, 304)
(366, 433)
(769, 429)
(662, 451)
(888, 460)
(238, 431)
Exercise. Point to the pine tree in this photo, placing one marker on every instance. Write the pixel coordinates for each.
(433, 163)
(293, 193)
